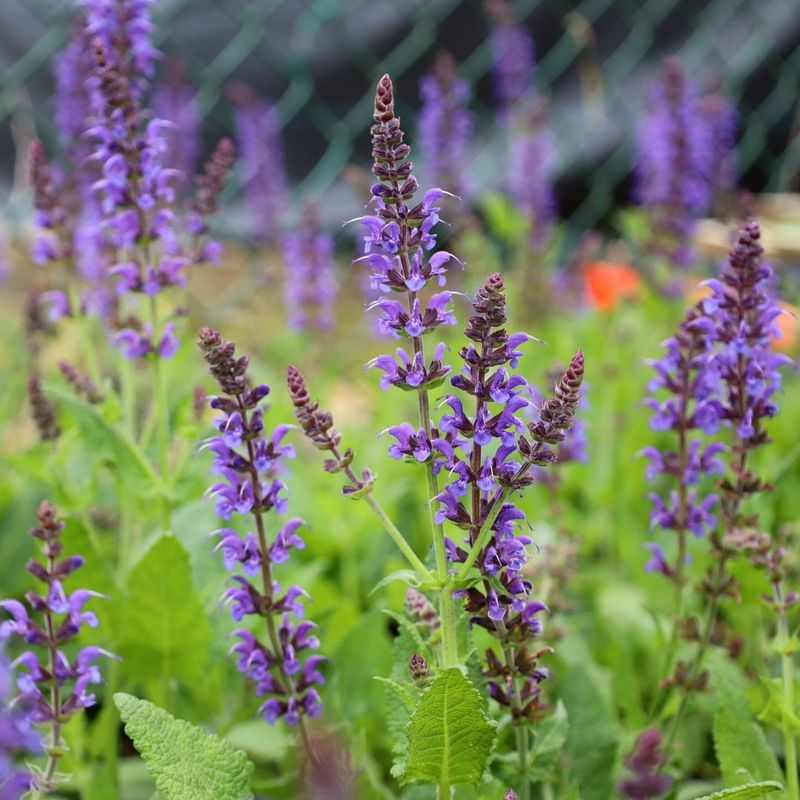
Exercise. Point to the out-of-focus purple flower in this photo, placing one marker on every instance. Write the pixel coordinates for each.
(445, 125)
(721, 120)
(262, 166)
(513, 54)
(532, 163)
(673, 163)
(246, 457)
(645, 762)
(175, 101)
(55, 617)
(309, 280)
(18, 739)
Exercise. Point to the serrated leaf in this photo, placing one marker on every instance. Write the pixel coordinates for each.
(186, 762)
(741, 747)
(402, 692)
(411, 627)
(592, 739)
(549, 742)
(450, 738)
(166, 634)
(746, 792)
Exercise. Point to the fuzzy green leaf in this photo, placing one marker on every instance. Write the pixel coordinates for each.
(186, 762)
(450, 738)
(166, 634)
(593, 737)
(746, 792)
(742, 750)
(550, 737)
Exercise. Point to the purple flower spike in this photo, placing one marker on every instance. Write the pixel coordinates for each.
(55, 618)
(513, 52)
(247, 457)
(445, 124)
(673, 166)
(263, 173)
(309, 282)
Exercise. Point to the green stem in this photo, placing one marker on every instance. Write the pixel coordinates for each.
(694, 670)
(127, 379)
(485, 532)
(162, 417)
(787, 668)
(398, 538)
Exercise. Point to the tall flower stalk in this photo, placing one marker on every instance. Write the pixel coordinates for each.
(247, 459)
(683, 400)
(52, 686)
(398, 236)
(736, 375)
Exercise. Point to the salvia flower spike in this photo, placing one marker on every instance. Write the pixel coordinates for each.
(445, 124)
(247, 459)
(52, 686)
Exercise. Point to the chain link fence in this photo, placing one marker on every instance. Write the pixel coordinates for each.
(319, 59)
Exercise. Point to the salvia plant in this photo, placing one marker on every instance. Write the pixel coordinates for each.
(483, 593)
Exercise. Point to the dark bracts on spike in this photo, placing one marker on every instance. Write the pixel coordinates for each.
(209, 185)
(229, 371)
(318, 427)
(555, 416)
(42, 410)
(82, 384)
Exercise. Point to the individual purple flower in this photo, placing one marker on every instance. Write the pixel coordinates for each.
(309, 280)
(261, 160)
(673, 164)
(51, 686)
(445, 124)
(175, 101)
(513, 54)
(532, 164)
(247, 458)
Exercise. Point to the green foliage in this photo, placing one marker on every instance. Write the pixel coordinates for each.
(551, 734)
(186, 762)
(746, 792)
(450, 738)
(593, 738)
(166, 635)
(741, 747)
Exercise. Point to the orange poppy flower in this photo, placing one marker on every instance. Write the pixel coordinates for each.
(789, 325)
(606, 283)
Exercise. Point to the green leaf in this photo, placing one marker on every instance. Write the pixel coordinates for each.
(103, 437)
(450, 738)
(746, 792)
(166, 634)
(408, 576)
(775, 712)
(741, 747)
(186, 762)
(593, 738)
(549, 742)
